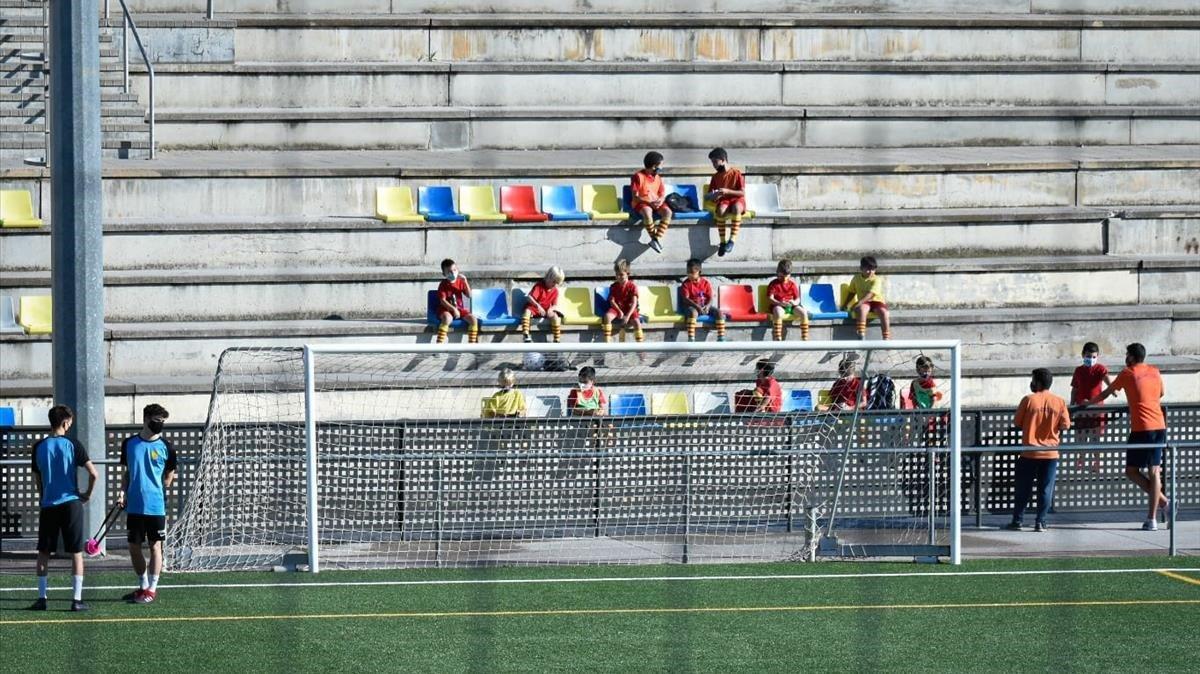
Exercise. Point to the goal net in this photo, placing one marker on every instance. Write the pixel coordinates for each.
(524, 454)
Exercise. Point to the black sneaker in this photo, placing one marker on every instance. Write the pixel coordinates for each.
(1013, 526)
(39, 605)
(656, 246)
(721, 249)
(1040, 526)
(78, 605)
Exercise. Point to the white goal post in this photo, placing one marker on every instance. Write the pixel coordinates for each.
(405, 455)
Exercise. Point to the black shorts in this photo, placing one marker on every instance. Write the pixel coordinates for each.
(65, 519)
(1146, 458)
(145, 527)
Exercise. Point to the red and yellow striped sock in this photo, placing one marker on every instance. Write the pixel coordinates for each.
(887, 333)
(638, 334)
(861, 328)
(473, 334)
(526, 317)
(737, 225)
(441, 336)
(777, 329)
(721, 230)
(691, 328)
(804, 329)
(556, 330)
(721, 325)
(607, 333)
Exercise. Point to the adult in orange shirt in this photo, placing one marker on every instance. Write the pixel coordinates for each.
(1041, 417)
(1143, 388)
(649, 196)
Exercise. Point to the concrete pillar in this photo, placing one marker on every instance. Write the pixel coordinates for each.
(76, 248)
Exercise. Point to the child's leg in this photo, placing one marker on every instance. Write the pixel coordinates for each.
(472, 328)
(719, 319)
(526, 319)
(443, 329)
(156, 564)
(885, 321)
(802, 316)
(637, 329)
(555, 325)
(609, 317)
(664, 214)
(777, 323)
(77, 576)
(860, 320)
(737, 212)
(721, 214)
(690, 314)
(647, 219)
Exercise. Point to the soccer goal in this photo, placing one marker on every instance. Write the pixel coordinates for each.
(422, 455)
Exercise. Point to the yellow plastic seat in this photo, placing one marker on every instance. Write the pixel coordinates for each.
(578, 306)
(478, 203)
(824, 399)
(16, 209)
(656, 304)
(35, 313)
(669, 403)
(846, 293)
(711, 207)
(396, 204)
(602, 203)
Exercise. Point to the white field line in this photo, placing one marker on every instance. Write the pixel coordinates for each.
(619, 579)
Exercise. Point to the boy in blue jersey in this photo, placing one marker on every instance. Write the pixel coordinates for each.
(150, 463)
(56, 459)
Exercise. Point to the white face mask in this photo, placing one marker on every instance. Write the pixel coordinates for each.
(1090, 360)
(585, 386)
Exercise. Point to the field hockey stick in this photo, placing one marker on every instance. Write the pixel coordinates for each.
(93, 544)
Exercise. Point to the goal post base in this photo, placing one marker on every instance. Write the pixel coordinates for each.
(832, 548)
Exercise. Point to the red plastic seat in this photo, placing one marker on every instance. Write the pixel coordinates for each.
(520, 205)
(737, 301)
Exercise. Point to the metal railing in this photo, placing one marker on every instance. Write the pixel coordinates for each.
(127, 24)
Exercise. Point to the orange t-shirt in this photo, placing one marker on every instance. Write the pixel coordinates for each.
(1144, 389)
(1042, 416)
(731, 179)
(646, 188)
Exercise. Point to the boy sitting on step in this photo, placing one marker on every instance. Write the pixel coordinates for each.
(453, 293)
(541, 302)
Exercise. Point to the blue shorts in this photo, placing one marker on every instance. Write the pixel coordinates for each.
(1145, 458)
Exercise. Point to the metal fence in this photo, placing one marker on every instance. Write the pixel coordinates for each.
(888, 444)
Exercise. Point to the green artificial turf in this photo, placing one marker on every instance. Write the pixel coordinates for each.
(881, 623)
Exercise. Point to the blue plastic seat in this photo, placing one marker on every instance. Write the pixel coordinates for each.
(818, 300)
(797, 400)
(431, 314)
(436, 203)
(490, 306)
(8, 417)
(561, 203)
(627, 405)
(689, 192)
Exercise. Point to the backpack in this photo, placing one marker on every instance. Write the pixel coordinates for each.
(881, 393)
(677, 203)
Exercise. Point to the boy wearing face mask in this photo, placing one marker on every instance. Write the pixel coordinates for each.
(923, 390)
(453, 292)
(150, 464)
(727, 193)
(650, 198)
(1086, 383)
(587, 399)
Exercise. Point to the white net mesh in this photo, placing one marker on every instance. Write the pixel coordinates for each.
(685, 463)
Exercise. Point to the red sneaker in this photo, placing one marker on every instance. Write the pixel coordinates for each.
(133, 596)
(146, 597)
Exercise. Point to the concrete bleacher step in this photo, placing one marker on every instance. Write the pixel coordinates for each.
(232, 185)
(542, 128)
(281, 242)
(399, 292)
(970, 83)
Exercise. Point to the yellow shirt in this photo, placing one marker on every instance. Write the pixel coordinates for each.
(505, 403)
(862, 286)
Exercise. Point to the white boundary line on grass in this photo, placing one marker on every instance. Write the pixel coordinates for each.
(631, 579)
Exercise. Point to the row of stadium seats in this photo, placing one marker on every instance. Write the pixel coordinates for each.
(16, 209)
(519, 203)
(657, 304)
(701, 402)
(33, 316)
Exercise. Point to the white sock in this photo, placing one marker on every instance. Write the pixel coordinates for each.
(142, 582)
(43, 586)
(77, 585)
(154, 583)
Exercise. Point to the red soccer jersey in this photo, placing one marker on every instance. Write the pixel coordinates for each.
(731, 179)
(623, 297)
(646, 188)
(844, 393)
(769, 389)
(699, 291)
(542, 296)
(454, 292)
(1087, 382)
(783, 291)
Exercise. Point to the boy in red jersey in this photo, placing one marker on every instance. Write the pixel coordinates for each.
(1089, 380)
(541, 302)
(453, 292)
(623, 304)
(587, 399)
(784, 296)
(922, 391)
(768, 397)
(843, 395)
(650, 199)
(699, 300)
(727, 192)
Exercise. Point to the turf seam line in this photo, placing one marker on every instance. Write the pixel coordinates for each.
(1179, 577)
(625, 579)
(611, 611)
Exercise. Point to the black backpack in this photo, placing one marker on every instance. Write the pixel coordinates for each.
(677, 203)
(881, 393)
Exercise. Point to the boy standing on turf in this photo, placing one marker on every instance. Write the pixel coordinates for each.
(650, 198)
(542, 302)
(866, 296)
(453, 293)
(56, 459)
(699, 300)
(150, 465)
(727, 192)
(622, 304)
(1041, 416)
(1144, 390)
(784, 296)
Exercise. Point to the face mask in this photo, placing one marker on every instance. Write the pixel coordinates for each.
(585, 386)
(720, 169)
(655, 171)
(926, 375)
(1089, 361)
(451, 276)
(155, 426)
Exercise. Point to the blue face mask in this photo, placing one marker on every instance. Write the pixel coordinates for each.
(1089, 361)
